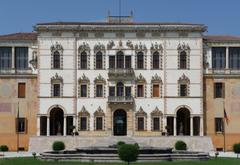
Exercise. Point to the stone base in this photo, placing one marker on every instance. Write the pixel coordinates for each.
(44, 143)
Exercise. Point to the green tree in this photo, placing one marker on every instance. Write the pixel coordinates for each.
(128, 152)
(236, 148)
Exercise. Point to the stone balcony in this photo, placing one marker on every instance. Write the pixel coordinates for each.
(120, 99)
(121, 73)
(15, 71)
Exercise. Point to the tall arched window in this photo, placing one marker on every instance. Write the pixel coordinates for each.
(156, 60)
(56, 60)
(140, 60)
(120, 60)
(99, 60)
(183, 60)
(83, 59)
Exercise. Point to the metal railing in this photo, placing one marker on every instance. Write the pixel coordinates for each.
(120, 99)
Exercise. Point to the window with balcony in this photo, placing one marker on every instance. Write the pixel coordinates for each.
(21, 58)
(5, 58)
(218, 57)
(156, 60)
(120, 89)
(140, 60)
(83, 60)
(234, 58)
(128, 91)
(219, 91)
(99, 60)
(111, 91)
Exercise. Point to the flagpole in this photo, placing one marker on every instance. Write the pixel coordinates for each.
(224, 132)
(17, 128)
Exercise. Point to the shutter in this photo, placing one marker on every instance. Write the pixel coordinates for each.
(26, 126)
(21, 90)
(155, 90)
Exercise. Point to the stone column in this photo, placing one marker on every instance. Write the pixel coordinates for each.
(227, 58)
(201, 126)
(38, 125)
(175, 126)
(48, 126)
(65, 126)
(191, 126)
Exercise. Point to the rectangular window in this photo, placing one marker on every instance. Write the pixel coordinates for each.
(128, 91)
(83, 123)
(111, 62)
(218, 58)
(99, 92)
(83, 60)
(234, 58)
(140, 91)
(21, 58)
(21, 125)
(219, 125)
(183, 90)
(156, 124)
(83, 90)
(21, 90)
(128, 62)
(219, 90)
(5, 58)
(99, 123)
(56, 90)
(156, 90)
(111, 91)
(140, 123)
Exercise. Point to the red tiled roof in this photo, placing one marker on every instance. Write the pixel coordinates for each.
(19, 37)
(222, 38)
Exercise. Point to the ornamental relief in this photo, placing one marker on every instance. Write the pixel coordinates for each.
(183, 79)
(156, 48)
(84, 48)
(99, 48)
(140, 48)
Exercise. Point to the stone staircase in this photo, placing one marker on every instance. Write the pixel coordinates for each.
(195, 143)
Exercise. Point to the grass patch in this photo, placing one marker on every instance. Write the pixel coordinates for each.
(31, 161)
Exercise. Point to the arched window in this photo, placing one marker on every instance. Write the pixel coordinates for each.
(141, 120)
(56, 86)
(140, 60)
(83, 59)
(99, 60)
(156, 60)
(120, 60)
(183, 60)
(183, 85)
(56, 60)
(99, 119)
(83, 120)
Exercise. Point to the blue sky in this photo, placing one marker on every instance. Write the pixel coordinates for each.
(221, 16)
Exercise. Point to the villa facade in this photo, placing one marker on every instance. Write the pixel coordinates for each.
(120, 79)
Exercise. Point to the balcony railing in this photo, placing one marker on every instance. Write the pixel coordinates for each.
(120, 99)
(15, 71)
(121, 73)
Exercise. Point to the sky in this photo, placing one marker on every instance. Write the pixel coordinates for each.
(221, 16)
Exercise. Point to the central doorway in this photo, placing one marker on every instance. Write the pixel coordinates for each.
(183, 122)
(56, 121)
(120, 123)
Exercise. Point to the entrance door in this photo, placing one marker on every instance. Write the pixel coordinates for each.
(183, 122)
(120, 123)
(56, 121)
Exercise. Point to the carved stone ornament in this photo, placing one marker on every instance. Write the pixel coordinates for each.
(99, 79)
(34, 60)
(83, 112)
(140, 78)
(156, 48)
(141, 112)
(110, 44)
(99, 47)
(99, 112)
(83, 79)
(183, 47)
(140, 48)
(156, 79)
(84, 48)
(183, 79)
(156, 112)
(57, 47)
(56, 79)
(129, 44)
